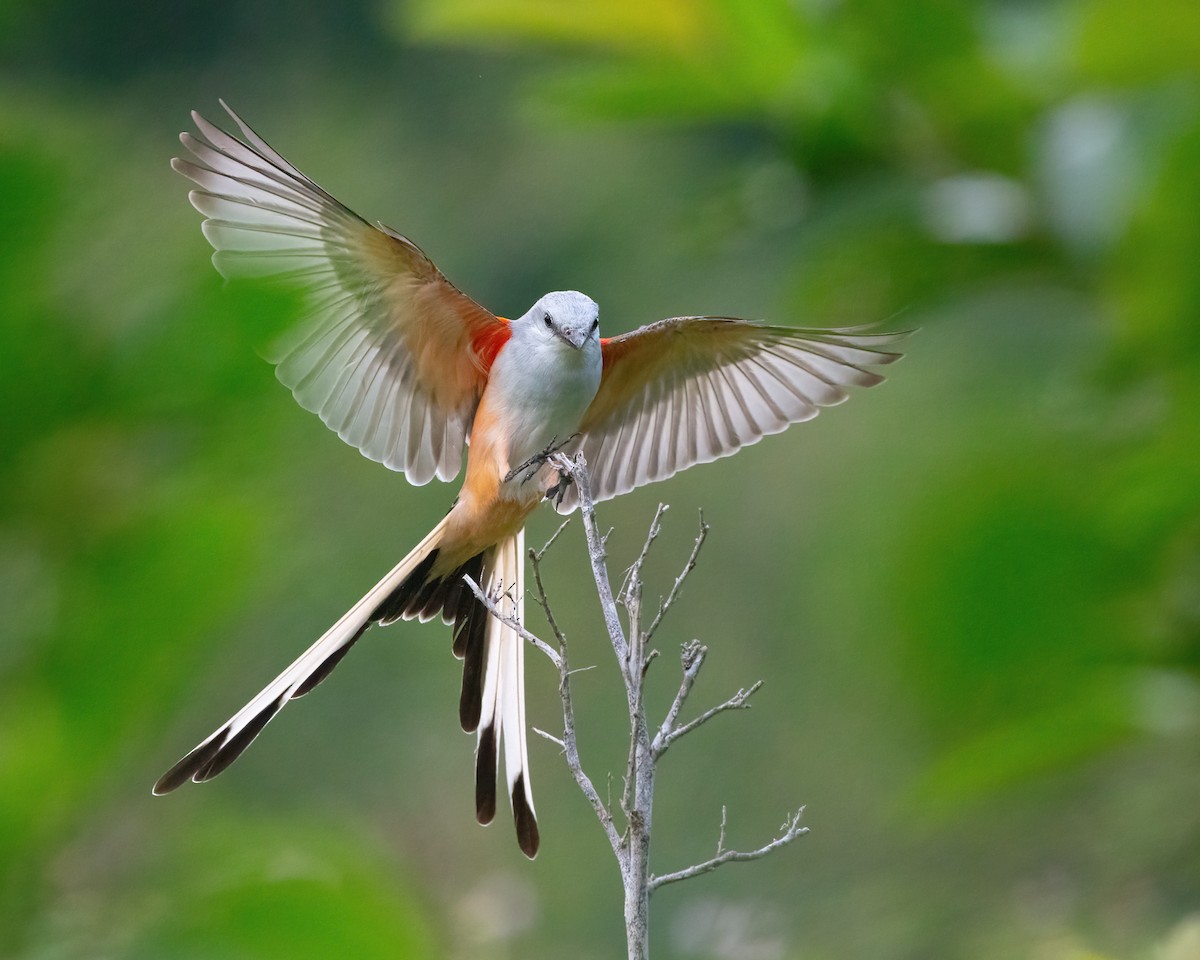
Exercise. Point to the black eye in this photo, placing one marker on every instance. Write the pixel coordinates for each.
(595, 324)
(547, 320)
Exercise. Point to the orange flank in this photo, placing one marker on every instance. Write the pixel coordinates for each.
(481, 517)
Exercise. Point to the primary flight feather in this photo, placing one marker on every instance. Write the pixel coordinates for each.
(408, 369)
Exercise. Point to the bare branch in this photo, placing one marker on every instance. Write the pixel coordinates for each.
(633, 573)
(548, 736)
(739, 701)
(649, 659)
(791, 830)
(569, 744)
(632, 845)
(683, 575)
(628, 800)
(543, 600)
(571, 750)
(574, 468)
(538, 554)
(510, 621)
(692, 657)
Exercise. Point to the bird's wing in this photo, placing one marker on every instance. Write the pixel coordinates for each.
(391, 355)
(692, 389)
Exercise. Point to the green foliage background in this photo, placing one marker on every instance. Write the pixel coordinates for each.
(974, 592)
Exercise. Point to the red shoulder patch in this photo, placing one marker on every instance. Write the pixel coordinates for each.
(487, 342)
(610, 350)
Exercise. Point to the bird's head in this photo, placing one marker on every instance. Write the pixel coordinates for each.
(566, 316)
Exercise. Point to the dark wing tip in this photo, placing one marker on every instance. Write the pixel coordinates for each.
(485, 775)
(527, 829)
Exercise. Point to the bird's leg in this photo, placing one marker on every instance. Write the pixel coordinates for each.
(534, 463)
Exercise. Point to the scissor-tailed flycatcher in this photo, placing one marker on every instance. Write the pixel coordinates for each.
(408, 369)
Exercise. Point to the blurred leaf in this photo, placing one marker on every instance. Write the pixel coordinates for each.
(622, 25)
(1154, 281)
(1013, 646)
(1093, 713)
(1157, 40)
(705, 59)
(133, 611)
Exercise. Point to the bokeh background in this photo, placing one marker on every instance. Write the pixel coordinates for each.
(974, 592)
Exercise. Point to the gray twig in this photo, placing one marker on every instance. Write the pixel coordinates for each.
(569, 742)
(633, 573)
(508, 620)
(739, 701)
(575, 469)
(549, 736)
(692, 659)
(543, 599)
(791, 830)
(688, 567)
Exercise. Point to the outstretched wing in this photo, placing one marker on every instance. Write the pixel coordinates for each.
(390, 354)
(691, 389)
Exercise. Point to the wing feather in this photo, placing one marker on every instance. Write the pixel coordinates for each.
(691, 389)
(390, 354)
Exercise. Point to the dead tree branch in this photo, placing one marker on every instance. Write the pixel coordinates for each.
(631, 845)
(791, 830)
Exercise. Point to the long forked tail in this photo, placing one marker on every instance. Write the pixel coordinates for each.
(407, 591)
(493, 693)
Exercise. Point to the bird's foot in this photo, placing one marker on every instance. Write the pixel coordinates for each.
(535, 463)
(559, 490)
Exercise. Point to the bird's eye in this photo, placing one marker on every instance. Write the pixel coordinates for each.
(546, 319)
(595, 325)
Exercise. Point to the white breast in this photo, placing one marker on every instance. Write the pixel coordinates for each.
(541, 391)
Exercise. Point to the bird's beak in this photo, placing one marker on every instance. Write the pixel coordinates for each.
(576, 338)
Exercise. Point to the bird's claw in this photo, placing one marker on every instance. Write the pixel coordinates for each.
(559, 490)
(535, 463)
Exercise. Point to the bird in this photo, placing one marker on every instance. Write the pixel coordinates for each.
(411, 371)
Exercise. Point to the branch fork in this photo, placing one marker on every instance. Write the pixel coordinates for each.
(631, 844)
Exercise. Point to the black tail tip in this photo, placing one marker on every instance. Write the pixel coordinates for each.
(187, 768)
(528, 837)
(485, 776)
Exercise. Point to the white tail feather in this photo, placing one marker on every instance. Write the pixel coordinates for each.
(511, 683)
(502, 719)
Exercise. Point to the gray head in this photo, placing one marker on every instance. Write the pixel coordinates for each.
(564, 315)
